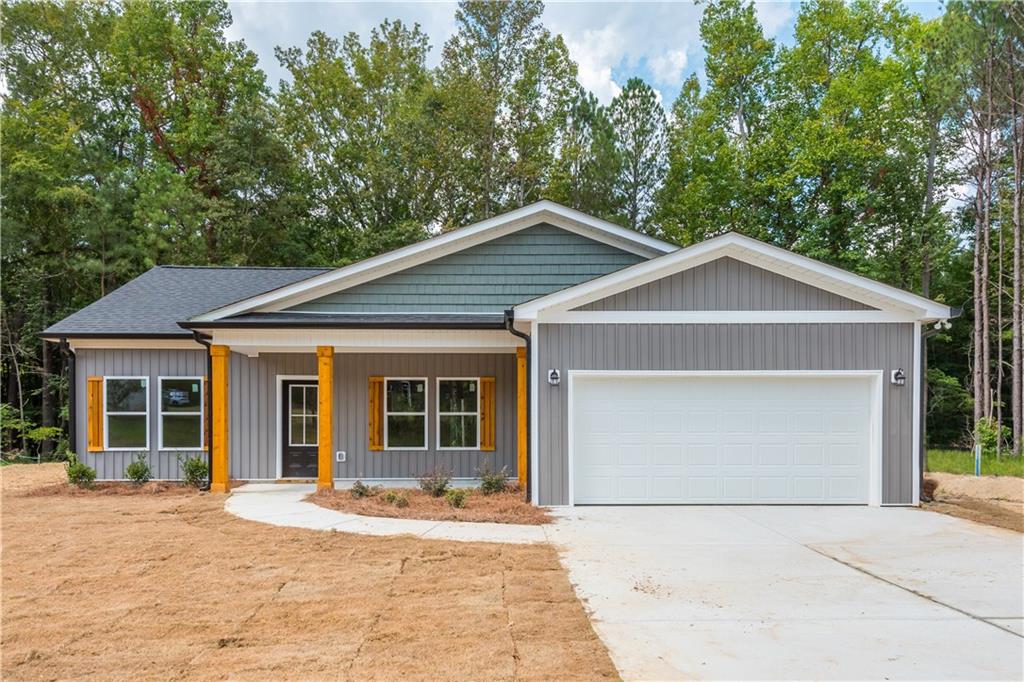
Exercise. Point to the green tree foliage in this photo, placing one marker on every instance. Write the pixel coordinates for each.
(639, 123)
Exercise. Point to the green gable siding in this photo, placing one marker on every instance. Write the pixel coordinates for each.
(488, 277)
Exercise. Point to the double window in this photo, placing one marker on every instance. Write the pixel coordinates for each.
(126, 413)
(457, 413)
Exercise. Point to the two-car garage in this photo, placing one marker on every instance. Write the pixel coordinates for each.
(721, 437)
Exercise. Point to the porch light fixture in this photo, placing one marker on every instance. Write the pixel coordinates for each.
(898, 377)
(554, 377)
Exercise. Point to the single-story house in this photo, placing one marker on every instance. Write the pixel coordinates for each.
(596, 364)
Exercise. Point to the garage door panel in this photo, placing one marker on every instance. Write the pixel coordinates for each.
(686, 439)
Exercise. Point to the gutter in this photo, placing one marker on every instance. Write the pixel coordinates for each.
(510, 317)
(204, 340)
(72, 391)
(328, 324)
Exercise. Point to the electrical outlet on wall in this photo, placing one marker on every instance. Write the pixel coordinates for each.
(340, 455)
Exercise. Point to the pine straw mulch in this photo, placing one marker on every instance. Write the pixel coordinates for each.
(507, 507)
(162, 587)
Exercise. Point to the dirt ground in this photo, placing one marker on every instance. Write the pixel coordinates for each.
(500, 508)
(994, 500)
(169, 586)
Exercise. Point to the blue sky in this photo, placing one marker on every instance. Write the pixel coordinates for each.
(610, 41)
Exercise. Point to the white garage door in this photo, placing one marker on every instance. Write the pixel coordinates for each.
(721, 439)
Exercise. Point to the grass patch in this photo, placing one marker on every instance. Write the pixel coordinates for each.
(962, 462)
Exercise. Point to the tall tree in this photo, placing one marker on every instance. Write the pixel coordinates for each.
(639, 123)
(356, 115)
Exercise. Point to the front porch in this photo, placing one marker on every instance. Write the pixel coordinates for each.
(372, 404)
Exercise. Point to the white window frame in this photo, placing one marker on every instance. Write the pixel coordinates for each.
(160, 413)
(438, 413)
(107, 414)
(305, 414)
(426, 408)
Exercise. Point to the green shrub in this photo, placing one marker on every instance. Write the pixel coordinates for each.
(79, 473)
(396, 499)
(194, 471)
(456, 498)
(360, 490)
(492, 483)
(990, 433)
(436, 482)
(138, 471)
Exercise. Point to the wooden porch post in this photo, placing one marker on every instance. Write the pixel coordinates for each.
(521, 434)
(325, 410)
(220, 356)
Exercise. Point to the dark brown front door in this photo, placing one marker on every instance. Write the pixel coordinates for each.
(299, 429)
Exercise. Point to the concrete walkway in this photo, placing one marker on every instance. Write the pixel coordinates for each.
(283, 505)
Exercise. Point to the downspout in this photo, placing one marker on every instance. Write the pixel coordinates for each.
(72, 390)
(510, 318)
(204, 340)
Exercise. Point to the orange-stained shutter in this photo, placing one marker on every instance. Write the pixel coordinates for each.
(94, 413)
(207, 433)
(376, 413)
(487, 412)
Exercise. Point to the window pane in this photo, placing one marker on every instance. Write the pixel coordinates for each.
(295, 399)
(311, 402)
(126, 395)
(406, 432)
(181, 431)
(126, 431)
(310, 430)
(181, 395)
(297, 434)
(457, 396)
(458, 431)
(406, 395)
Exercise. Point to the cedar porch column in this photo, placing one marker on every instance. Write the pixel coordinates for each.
(219, 356)
(521, 434)
(325, 411)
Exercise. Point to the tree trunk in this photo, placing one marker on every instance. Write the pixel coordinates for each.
(1016, 322)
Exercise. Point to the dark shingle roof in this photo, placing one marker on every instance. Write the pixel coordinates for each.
(154, 302)
(356, 320)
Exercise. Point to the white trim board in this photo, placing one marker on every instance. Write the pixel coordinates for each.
(253, 341)
(278, 379)
(751, 251)
(722, 317)
(442, 245)
(875, 469)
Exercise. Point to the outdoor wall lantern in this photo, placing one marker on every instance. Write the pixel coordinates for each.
(554, 377)
(898, 377)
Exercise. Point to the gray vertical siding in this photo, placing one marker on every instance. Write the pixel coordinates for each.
(725, 284)
(726, 347)
(128, 362)
(254, 424)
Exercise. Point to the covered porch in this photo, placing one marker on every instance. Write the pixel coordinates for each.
(372, 403)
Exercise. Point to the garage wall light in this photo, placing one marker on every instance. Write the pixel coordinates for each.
(898, 378)
(554, 377)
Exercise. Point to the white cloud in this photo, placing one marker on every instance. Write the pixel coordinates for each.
(594, 53)
(668, 68)
(774, 15)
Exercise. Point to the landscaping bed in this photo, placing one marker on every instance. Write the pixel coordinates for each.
(504, 507)
(114, 587)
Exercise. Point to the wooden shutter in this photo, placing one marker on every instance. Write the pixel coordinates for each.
(94, 413)
(376, 410)
(487, 412)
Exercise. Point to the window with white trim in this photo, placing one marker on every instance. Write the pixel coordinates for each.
(303, 405)
(405, 414)
(181, 413)
(126, 413)
(458, 413)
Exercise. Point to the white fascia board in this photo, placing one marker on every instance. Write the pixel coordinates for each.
(254, 341)
(723, 317)
(442, 245)
(754, 252)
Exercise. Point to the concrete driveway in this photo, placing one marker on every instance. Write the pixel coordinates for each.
(798, 592)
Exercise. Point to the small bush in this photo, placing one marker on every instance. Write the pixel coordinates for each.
(194, 471)
(456, 498)
(138, 471)
(79, 473)
(436, 482)
(991, 434)
(396, 499)
(360, 490)
(492, 483)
